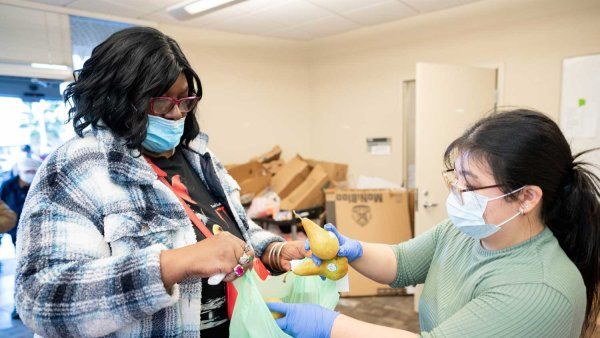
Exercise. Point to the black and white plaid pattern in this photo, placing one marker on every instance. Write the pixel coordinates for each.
(91, 232)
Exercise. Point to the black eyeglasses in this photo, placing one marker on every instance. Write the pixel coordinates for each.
(452, 183)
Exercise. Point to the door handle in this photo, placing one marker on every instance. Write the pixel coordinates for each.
(428, 205)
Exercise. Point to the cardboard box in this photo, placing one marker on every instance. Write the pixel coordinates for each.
(252, 178)
(337, 172)
(242, 172)
(308, 194)
(253, 187)
(290, 176)
(273, 167)
(378, 216)
(269, 156)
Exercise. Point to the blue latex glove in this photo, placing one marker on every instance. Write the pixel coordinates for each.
(304, 320)
(349, 248)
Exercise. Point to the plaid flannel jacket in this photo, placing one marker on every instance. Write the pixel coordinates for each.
(91, 232)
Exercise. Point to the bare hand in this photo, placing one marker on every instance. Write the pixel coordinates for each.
(213, 255)
(290, 251)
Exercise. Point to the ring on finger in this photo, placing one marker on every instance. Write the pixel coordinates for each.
(245, 259)
(238, 270)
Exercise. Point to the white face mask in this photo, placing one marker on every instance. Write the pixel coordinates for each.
(26, 177)
(468, 218)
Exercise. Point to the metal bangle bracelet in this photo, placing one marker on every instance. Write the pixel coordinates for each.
(272, 263)
(278, 256)
(280, 251)
(271, 254)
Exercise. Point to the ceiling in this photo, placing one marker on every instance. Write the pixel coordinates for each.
(289, 19)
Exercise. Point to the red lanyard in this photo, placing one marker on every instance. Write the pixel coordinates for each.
(162, 176)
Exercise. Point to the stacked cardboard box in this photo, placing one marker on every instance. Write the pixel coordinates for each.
(371, 215)
(335, 171)
(290, 176)
(299, 182)
(252, 178)
(272, 155)
(273, 167)
(309, 193)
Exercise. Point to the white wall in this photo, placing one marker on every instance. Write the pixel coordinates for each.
(325, 97)
(256, 91)
(356, 78)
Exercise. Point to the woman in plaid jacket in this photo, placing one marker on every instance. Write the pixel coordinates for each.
(104, 247)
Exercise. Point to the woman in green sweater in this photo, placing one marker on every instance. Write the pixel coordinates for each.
(518, 257)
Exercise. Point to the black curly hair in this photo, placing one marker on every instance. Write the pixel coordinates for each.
(114, 87)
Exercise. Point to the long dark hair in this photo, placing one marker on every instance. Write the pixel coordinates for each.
(525, 147)
(114, 87)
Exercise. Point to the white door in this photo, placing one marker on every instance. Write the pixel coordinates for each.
(449, 98)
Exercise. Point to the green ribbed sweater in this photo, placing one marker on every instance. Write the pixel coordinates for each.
(528, 290)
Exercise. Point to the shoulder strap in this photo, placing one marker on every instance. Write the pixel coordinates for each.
(162, 176)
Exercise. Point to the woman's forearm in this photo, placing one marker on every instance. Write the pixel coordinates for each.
(172, 268)
(378, 263)
(348, 327)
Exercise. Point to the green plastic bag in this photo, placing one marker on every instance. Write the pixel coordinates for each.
(251, 317)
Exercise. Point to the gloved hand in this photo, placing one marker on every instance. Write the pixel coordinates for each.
(304, 320)
(349, 248)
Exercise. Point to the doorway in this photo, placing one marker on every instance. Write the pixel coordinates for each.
(439, 105)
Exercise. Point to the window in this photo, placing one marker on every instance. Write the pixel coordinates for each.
(32, 111)
(33, 119)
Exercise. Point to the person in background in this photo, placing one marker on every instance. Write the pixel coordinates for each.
(8, 220)
(519, 255)
(14, 191)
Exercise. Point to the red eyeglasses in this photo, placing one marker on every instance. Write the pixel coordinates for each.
(163, 105)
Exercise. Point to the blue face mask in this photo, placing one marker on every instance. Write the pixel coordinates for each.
(468, 217)
(162, 134)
